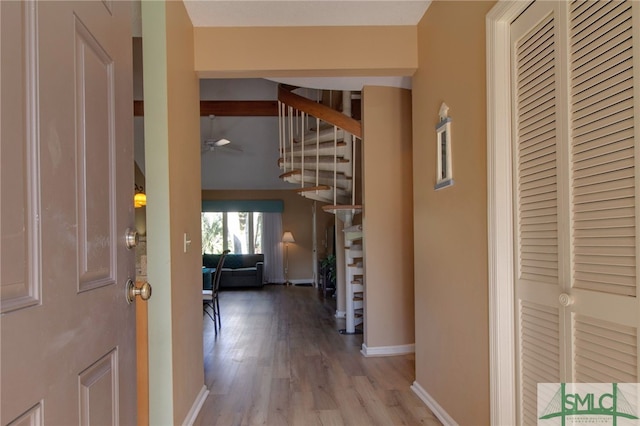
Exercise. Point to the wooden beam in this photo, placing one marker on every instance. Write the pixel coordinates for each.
(227, 108)
(239, 108)
(318, 110)
(138, 108)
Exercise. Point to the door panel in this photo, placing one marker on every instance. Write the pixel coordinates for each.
(95, 146)
(575, 158)
(68, 334)
(20, 280)
(539, 255)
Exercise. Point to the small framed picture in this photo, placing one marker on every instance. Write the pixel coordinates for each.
(444, 169)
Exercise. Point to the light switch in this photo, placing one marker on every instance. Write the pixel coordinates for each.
(187, 242)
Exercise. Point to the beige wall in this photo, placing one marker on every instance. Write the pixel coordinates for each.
(452, 340)
(305, 51)
(172, 149)
(387, 217)
(296, 217)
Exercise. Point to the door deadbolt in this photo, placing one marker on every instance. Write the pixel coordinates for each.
(131, 238)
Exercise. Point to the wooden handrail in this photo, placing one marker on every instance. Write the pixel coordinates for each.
(323, 112)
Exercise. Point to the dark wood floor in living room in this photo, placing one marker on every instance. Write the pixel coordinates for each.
(279, 360)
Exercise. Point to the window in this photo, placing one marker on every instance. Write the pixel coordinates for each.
(240, 232)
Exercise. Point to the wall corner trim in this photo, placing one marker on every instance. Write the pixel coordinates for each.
(387, 350)
(195, 408)
(433, 405)
(502, 368)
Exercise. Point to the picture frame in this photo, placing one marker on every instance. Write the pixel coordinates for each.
(444, 166)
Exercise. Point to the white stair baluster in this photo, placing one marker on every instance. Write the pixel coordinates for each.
(280, 135)
(302, 118)
(353, 171)
(317, 151)
(291, 134)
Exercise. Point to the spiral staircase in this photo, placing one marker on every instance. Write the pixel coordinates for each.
(320, 144)
(319, 148)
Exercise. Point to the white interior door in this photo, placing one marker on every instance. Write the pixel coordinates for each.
(68, 334)
(576, 210)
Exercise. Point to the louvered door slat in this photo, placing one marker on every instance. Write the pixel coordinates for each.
(591, 168)
(586, 152)
(580, 8)
(597, 87)
(605, 196)
(627, 173)
(602, 251)
(535, 59)
(605, 260)
(541, 154)
(527, 105)
(609, 20)
(540, 234)
(595, 105)
(539, 329)
(615, 222)
(605, 350)
(537, 37)
(542, 126)
(616, 65)
(536, 81)
(537, 131)
(604, 135)
(584, 19)
(609, 232)
(538, 113)
(606, 118)
(540, 186)
(540, 85)
(616, 111)
(538, 142)
(543, 116)
(604, 51)
(602, 185)
(537, 203)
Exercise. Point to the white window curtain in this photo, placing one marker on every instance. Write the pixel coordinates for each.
(272, 236)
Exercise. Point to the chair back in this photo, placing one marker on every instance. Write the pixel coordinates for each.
(218, 273)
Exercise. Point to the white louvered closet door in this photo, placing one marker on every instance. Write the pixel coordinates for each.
(576, 213)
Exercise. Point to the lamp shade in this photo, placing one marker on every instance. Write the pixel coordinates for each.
(287, 237)
(140, 199)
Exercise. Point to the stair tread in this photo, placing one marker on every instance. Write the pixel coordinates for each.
(311, 144)
(312, 159)
(326, 174)
(343, 207)
(313, 188)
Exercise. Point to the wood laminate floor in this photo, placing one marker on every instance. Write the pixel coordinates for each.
(279, 360)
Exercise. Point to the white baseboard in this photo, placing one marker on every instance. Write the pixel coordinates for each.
(388, 350)
(341, 314)
(433, 405)
(195, 408)
(302, 281)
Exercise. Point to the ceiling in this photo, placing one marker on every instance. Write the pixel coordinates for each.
(267, 13)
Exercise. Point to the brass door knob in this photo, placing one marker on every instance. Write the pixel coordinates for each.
(132, 291)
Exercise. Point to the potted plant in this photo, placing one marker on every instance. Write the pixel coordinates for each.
(329, 271)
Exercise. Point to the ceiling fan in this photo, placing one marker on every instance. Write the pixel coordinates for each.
(213, 144)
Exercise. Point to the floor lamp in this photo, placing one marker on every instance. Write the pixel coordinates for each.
(287, 238)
